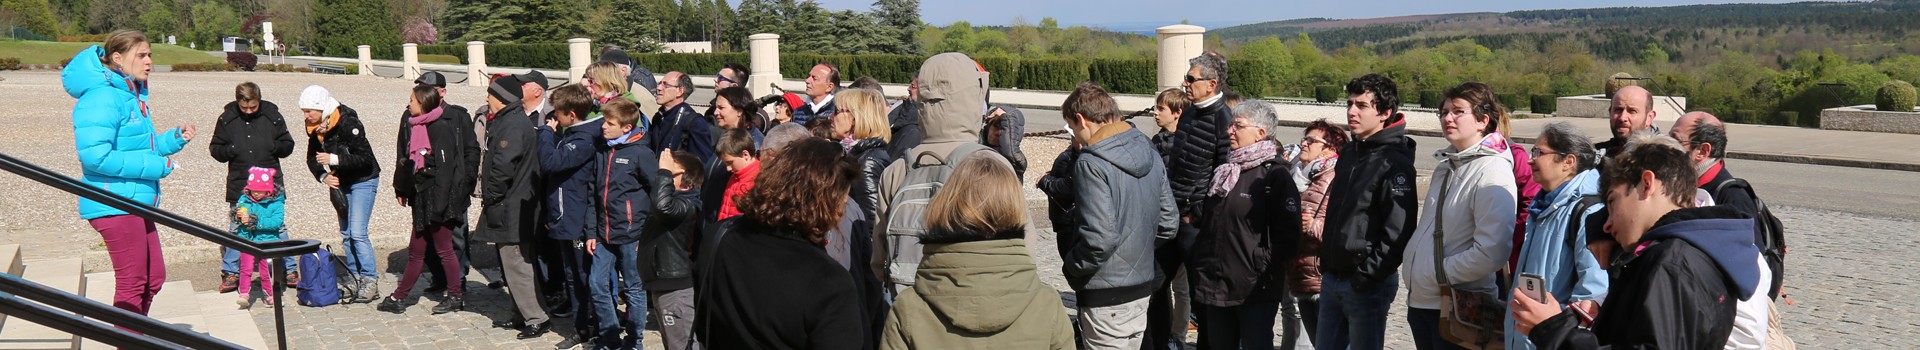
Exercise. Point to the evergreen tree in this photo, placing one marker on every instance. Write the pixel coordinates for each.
(755, 17)
(547, 21)
(899, 24)
(342, 25)
(631, 28)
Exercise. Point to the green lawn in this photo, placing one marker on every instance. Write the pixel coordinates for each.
(47, 52)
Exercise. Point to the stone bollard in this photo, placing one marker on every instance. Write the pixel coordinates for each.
(477, 63)
(765, 52)
(410, 61)
(579, 55)
(1178, 43)
(366, 60)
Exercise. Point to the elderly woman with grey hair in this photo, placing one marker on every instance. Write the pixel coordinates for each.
(1557, 230)
(1237, 266)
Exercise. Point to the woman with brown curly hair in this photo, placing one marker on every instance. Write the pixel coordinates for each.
(765, 280)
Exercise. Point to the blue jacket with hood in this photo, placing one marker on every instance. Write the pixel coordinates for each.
(113, 134)
(1677, 289)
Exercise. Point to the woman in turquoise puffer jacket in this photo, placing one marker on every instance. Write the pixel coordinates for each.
(120, 152)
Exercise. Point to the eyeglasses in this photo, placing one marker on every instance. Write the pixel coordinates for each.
(1191, 79)
(664, 86)
(676, 174)
(1310, 140)
(1537, 152)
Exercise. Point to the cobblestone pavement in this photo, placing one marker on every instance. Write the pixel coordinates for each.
(1844, 270)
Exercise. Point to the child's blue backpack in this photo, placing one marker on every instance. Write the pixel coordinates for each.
(318, 285)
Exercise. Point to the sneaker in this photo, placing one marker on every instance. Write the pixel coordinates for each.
(571, 343)
(450, 305)
(229, 282)
(244, 303)
(392, 305)
(293, 280)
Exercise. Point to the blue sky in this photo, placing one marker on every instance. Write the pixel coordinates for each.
(1137, 14)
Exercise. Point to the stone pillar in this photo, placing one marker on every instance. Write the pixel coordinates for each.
(1178, 43)
(366, 60)
(477, 63)
(765, 51)
(579, 55)
(410, 61)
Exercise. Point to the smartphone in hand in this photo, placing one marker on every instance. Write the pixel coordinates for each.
(1534, 285)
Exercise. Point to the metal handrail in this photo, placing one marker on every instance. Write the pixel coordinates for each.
(158, 335)
(275, 250)
(271, 250)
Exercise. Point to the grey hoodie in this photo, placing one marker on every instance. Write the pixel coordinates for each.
(1126, 211)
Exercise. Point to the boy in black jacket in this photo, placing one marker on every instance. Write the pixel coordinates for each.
(666, 248)
(622, 174)
(250, 134)
(1682, 270)
(1371, 215)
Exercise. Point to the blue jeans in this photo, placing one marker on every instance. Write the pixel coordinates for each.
(1352, 318)
(606, 257)
(353, 227)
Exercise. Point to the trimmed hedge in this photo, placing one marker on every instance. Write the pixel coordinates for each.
(1545, 104)
(1431, 99)
(1126, 76)
(1895, 96)
(204, 67)
(1328, 93)
(9, 63)
(1051, 73)
(1514, 103)
(245, 60)
(1786, 118)
(1005, 71)
(1247, 76)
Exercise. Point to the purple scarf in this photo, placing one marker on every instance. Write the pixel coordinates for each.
(1240, 159)
(418, 145)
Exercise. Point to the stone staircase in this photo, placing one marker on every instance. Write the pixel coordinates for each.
(206, 313)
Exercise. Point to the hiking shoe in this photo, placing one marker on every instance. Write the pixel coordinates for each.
(450, 305)
(229, 282)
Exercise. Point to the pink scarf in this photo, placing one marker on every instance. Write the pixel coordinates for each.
(418, 145)
(1240, 159)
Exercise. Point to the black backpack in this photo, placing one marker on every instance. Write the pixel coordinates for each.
(1772, 243)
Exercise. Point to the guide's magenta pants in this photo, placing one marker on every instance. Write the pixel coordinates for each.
(138, 270)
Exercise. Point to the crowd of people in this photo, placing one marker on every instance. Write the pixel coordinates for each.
(833, 219)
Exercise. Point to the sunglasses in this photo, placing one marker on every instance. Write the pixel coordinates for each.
(724, 79)
(1191, 79)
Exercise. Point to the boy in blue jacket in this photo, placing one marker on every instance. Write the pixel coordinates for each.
(622, 174)
(567, 147)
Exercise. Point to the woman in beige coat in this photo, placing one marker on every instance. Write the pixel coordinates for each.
(977, 288)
